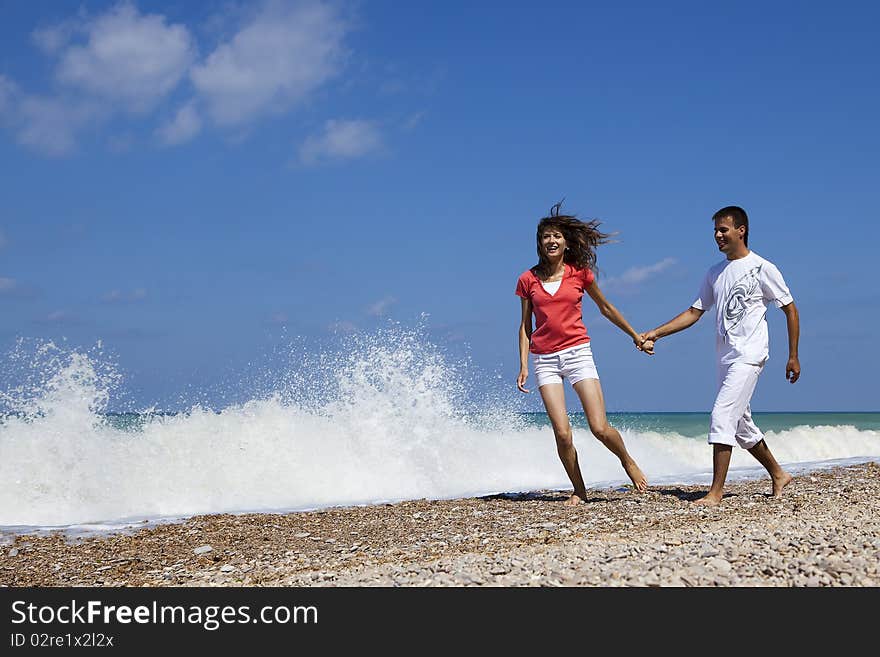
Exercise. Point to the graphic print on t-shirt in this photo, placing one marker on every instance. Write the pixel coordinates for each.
(735, 304)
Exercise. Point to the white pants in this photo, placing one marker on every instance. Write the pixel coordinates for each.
(575, 364)
(731, 415)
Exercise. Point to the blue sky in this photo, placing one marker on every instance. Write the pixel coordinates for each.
(199, 184)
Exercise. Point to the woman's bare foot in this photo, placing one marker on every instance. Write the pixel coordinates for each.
(780, 482)
(638, 477)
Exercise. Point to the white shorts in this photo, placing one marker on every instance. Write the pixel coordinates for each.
(575, 364)
(731, 415)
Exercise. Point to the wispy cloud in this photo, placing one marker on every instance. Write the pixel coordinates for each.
(285, 52)
(128, 58)
(125, 62)
(52, 38)
(185, 125)
(413, 121)
(341, 140)
(119, 296)
(381, 306)
(636, 275)
(8, 92)
(51, 124)
(58, 317)
(120, 61)
(12, 288)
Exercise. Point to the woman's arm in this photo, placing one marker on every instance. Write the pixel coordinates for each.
(525, 336)
(613, 314)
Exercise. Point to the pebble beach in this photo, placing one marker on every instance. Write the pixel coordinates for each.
(823, 531)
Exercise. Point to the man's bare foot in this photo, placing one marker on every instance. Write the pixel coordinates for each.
(709, 500)
(575, 499)
(638, 477)
(781, 482)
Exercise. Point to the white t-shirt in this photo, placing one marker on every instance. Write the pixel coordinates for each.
(741, 290)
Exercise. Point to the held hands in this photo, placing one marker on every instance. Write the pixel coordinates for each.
(645, 342)
(521, 380)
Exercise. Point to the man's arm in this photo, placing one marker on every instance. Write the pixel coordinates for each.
(679, 323)
(793, 367)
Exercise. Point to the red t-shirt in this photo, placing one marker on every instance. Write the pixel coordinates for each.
(558, 321)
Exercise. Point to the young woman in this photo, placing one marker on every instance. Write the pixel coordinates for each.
(559, 347)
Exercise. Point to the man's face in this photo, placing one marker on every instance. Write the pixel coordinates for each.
(728, 238)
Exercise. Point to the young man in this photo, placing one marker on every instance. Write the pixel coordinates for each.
(740, 287)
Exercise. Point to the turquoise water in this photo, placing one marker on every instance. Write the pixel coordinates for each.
(696, 425)
(689, 425)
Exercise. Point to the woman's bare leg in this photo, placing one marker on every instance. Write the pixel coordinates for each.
(553, 395)
(590, 393)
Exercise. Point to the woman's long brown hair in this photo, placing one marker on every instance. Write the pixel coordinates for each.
(581, 239)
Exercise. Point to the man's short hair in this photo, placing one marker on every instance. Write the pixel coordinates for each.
(737, 215)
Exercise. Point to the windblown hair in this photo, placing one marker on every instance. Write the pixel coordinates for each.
(737, 215)
(581, 239)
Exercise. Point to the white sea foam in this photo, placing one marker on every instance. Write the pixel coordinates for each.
(383, 422)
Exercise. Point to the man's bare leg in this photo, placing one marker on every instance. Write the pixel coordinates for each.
(778, 476)
(720, 463)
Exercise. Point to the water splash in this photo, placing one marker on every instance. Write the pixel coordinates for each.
(383, 416)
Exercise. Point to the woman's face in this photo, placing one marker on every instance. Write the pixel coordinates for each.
(552, 242)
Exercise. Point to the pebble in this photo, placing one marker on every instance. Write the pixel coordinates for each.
(807, 538)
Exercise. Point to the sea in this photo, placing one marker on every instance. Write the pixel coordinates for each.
(385, 418)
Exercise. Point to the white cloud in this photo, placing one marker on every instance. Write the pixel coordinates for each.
(130, 58)
(51, 124)
(10, 287)
(125, 61)
(120, 60)
(185, 125)
(274, 62)
(8, 94)
(48, 124)
(53, 38)
(636, 275)
(341, 140)
(381, 307)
